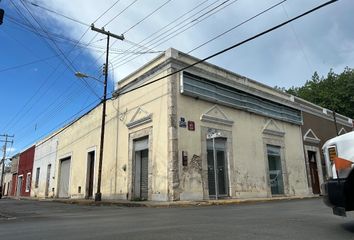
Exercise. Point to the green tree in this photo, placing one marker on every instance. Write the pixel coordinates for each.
(335, 91)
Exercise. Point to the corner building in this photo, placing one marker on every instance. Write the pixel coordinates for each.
(201, 133)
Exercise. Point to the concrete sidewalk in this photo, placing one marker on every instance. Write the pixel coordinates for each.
(158, 204)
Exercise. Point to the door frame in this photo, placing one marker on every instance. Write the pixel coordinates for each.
(19, 186)
(275, 139)
(63, 158)
(47, 180)
(226, 177)
(318, 164)
(93, 149)
(147, 132)
(229, 163)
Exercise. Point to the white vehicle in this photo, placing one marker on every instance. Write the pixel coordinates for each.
(338, 189)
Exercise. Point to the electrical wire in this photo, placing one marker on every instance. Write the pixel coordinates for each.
(180, 30)
(146, 17)
(55, 35)
(236, 26)
(309, 65)
(59, 14)
(175, 24)
(32, 97)
(122, 92)
(26, 64)
(67, 62)
(167, 25)
(126, 8)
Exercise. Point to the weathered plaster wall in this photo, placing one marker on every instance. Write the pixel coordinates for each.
(150, 102)
(45, 154)
(246, 141)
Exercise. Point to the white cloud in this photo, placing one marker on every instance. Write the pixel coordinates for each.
(282, 58)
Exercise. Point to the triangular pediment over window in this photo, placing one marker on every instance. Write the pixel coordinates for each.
(140, 117)
(310, 136)
(342, 131)
(216, 115)
(272, 128)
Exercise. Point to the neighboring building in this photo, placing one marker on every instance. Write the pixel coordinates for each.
(43, 179)
(14, 172)
(318, 127)
(7, 184)
(24, 178)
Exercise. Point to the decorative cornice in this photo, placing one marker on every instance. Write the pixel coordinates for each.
(273, 132)
(212, 119)
(313, 139)
(139, 122)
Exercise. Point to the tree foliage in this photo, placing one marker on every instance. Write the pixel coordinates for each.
(334, 92)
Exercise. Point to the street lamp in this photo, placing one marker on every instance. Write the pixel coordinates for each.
(98, 194)
(83, 75)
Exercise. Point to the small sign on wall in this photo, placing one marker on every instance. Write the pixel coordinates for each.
(191, 125)
(182, 122)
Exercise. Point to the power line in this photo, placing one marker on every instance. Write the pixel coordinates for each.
(27, 102)
(74, 121)
(49, 115)
(220, 52)
(120, 13)
(68, 63)
(169, 24)
(309, 65)
(105, 11)
(172, 30)
(69, 119)
(176, 32)
(59, 14)
(122, 92)
(146, 17)
(238, 25)
(55, 35)
(40, 35)
(26, 64)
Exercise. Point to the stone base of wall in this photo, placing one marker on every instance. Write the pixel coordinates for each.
(159, 197)
(120, 196)
(185, 196)
(245, 195)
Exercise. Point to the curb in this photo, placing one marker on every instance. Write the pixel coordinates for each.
(176, 204)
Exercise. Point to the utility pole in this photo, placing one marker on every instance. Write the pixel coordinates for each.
(3, 159)
(98, 194)
(335, 122)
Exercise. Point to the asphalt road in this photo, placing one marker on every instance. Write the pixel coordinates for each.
(293, 219)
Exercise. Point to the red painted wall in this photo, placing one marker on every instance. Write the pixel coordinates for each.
(14, 185)
(25, 166)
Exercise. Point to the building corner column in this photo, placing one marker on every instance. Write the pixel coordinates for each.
(173, 170)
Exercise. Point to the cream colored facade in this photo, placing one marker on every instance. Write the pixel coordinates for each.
(44, 165)
(150, 152)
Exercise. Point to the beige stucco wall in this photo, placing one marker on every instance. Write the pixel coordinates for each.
(84, 136)
(248, 173)
(75, 142)
(150, 100)
(168, 179)
(7, 183)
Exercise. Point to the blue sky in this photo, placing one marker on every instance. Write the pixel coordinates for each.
(39, 92)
